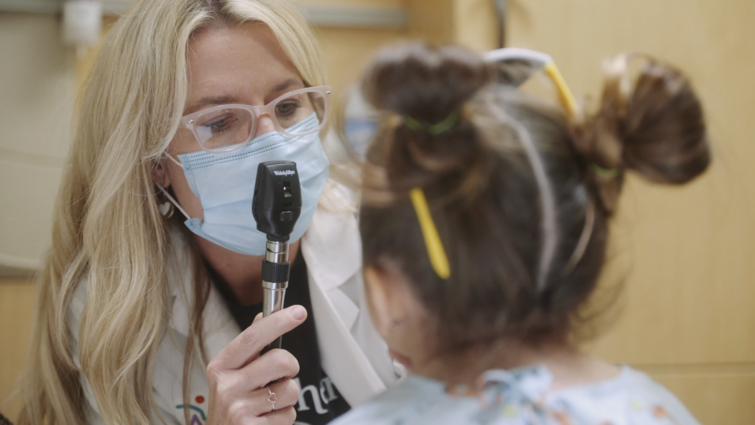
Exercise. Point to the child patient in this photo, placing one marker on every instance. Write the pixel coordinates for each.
(485, 221)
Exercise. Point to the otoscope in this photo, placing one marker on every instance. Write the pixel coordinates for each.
(276, 207)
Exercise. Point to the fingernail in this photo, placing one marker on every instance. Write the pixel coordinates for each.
(298, 312)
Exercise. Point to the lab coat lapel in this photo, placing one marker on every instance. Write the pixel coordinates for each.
(332, 242)
(333, 251)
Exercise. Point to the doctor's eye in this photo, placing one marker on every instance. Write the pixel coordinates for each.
(224, 128)
(287, 108)
(220, 124)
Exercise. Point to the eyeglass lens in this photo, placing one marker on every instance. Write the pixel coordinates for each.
(227, 127)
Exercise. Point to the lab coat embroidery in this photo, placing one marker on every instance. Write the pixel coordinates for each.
(197, 415)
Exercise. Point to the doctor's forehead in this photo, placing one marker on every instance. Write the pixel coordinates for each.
(240, 64)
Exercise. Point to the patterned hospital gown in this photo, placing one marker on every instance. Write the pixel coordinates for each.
(521, 397)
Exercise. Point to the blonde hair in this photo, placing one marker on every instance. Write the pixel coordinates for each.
(107, 227)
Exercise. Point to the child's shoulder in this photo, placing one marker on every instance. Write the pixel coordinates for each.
(631, 398)
(407, 403)
(521, 397)
(647, 401)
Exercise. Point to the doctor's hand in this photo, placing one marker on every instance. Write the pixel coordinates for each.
(239, 376)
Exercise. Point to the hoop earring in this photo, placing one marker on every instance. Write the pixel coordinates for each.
(164, 205)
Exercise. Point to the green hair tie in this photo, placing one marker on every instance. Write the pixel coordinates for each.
(434, 129)
(597, 169)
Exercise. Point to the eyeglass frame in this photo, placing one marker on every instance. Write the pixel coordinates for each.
(187, 121)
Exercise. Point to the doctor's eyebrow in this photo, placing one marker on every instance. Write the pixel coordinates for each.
(290, 83)
(211, 101)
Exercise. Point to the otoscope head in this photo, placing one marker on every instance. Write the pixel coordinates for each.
(277, 199)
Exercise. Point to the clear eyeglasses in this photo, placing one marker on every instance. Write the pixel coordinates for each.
(226, 128)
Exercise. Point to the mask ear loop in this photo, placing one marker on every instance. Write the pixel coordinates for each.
(549, 225)
(165, 192)
(584, 239)
(177, 162)
(173, 201)
(572, 110)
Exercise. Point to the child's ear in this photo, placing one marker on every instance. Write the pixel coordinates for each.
(160, 174)
(378, 298)
(391, 300)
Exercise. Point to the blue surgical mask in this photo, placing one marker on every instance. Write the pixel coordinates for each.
(224, 184)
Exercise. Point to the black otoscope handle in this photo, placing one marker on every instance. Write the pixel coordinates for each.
(276, 206)
(275, 276)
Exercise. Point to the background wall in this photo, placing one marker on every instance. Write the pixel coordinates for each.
(684, 253)
(37, 89)
(36, 97)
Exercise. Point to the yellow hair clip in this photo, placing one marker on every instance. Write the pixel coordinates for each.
(564, 94)
(435, 250)
(539, 60)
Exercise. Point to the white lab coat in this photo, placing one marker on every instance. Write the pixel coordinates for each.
(353, 355)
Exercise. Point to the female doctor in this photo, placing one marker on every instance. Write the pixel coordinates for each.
(149, 296)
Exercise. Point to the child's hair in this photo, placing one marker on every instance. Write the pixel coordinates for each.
(521, 195)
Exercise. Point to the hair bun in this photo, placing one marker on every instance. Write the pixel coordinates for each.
(658, 123)
(664, 131)
(426, 85)
(424, 82)
(654, 126)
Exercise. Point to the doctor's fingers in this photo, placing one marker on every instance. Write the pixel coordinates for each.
(233, 384)
(274, 365)
(245, 347)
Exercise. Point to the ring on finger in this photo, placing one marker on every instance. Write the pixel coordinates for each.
(272, 398)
